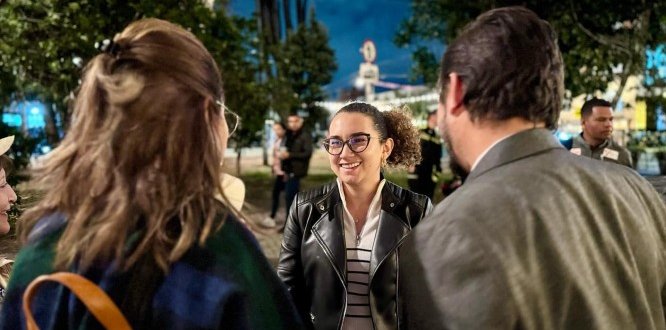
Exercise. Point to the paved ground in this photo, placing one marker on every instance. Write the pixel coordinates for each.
(269, 239)
(257, 205)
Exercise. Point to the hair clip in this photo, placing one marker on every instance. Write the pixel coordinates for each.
(109, 46)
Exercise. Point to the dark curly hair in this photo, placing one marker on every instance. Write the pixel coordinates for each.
(395, 124)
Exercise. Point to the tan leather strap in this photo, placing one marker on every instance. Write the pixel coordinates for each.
(95, 299)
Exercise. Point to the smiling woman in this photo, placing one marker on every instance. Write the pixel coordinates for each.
(343, 238)
(7, 198)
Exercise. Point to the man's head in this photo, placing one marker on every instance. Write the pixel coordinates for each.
(504, 65)
(596, 120)
(295, 122)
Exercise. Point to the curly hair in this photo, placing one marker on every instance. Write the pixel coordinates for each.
(395, 124)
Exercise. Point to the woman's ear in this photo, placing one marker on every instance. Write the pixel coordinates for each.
(207, 103)
(387, 148)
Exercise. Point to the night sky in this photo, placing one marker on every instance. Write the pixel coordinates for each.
(349, 23)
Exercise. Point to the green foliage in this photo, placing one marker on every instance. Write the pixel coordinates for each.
(44, 45)
(297, 66)
(600, 40)
(306, 63)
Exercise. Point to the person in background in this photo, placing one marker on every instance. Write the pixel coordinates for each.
(536, 237)
(339, 251)
(280, 131)
(296, 159)
(596, 140)
(130, 199)
(8, 246)
(423, 177)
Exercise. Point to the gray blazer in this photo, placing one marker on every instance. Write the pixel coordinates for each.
(538, 238)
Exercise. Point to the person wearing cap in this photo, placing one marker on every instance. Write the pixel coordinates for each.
(595, 141)
(7, 199)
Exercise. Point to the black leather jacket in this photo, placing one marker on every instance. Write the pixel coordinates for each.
(313, 258)
(299, 145)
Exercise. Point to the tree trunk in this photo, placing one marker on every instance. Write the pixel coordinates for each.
(300, 11)
(238, 161)
(286, 6)
(50, 127)
(626, 72)
(275, 22)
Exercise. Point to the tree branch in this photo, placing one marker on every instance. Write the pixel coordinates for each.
(600, 39)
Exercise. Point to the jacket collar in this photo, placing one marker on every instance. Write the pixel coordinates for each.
(329, 228)
(390, 200)
(520, 145)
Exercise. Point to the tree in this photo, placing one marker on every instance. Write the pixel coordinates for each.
(44, 45)
(601, 41)
(296, 62)
(308, 63)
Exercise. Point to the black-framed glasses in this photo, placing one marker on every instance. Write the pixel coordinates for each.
(232, 119)
(357, 144)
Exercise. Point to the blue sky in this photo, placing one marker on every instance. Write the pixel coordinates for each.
(349, 23)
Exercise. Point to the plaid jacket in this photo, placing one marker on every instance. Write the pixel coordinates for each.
(225, 284)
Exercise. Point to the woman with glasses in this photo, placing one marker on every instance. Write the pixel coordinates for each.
(339, 255)
(134, 200)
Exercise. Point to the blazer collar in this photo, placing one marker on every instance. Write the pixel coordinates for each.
(520, 145)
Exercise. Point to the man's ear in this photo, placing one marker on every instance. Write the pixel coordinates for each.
(455, 94)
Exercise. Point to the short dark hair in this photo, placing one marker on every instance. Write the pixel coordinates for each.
(510, 65)
(281, 124)
(586, 111)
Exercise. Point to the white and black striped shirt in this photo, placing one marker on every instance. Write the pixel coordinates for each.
(359, 249)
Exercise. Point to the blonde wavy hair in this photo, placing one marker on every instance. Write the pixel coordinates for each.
(142, 154)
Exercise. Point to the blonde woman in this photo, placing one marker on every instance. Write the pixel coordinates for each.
(130, 199)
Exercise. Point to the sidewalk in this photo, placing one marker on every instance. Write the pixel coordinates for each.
(269, 239)
(257, 208)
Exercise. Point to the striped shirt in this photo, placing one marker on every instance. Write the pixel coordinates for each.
(359, 249)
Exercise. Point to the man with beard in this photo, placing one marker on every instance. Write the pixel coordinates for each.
(536, 238)
(595, 141)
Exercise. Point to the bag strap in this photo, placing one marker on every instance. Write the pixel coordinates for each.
(93, 297)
